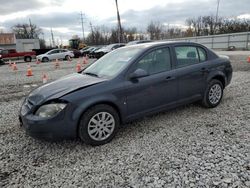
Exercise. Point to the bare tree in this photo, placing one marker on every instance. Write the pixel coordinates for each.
(26, 31)
(155, 30)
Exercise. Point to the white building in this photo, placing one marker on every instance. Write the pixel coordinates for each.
(9, 41)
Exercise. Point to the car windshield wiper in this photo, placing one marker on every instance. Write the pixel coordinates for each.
(91, 74)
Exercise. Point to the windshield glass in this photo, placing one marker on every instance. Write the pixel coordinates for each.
(112, 63)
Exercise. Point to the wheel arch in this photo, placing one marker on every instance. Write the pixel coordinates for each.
(218, 76)
(44, 57)
(106, 102)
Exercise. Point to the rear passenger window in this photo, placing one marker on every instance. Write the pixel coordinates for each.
(202, 54)
(186, 55)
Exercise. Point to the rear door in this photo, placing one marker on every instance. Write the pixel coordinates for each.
(63, 54)
(191, 70)
(155, 91)
(54, 54)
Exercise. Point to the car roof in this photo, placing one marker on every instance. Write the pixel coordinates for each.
(160, 43)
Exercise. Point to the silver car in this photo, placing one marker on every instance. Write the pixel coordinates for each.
(55, 54)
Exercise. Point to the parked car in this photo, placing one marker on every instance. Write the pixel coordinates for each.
(102, 51)
(12, 54)
(85, 48)
(1, 60)
(55, 54)
(138, 42)
(88, 50)
(126, 84)
(92, 53)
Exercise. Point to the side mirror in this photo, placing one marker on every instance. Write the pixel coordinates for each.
(138, 73)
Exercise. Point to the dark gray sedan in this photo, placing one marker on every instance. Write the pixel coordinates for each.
(126, 84)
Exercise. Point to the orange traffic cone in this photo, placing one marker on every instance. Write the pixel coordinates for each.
(14, 67)
(29, 71)
(78, 67)
(45, 78)
(57, 64)
(248, 59)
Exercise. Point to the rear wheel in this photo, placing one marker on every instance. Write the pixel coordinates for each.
(45, 59)
(213, 94)
(27, 59)
(98, 125)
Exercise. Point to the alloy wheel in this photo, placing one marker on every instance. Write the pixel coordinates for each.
(215, 94)
(101, 126)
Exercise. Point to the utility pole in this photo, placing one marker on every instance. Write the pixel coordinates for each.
(119, 23)
(52, 37)
(217, 11)
(81, 14)
(31, 30)
(92, 32)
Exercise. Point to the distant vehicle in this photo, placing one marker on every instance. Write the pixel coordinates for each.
(126, 84)
(77, 53)
(92, 54)
(101, 52)
(85, 48)
(76, 43)
(12, 54)
(89, 50)
(55, 54)
(1, 60)
(138, 42)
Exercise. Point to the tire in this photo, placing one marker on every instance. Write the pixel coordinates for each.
(27, 59)
(213, 94)
(89, 130)
(66, 57)
(45, 59)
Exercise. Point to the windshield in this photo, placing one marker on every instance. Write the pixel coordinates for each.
(112, 63)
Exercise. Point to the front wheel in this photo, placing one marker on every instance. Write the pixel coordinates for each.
(213, 94)
(98, 125)
(67, 57)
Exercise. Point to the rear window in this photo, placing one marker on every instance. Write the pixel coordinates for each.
(186, 55)
(202, 54)
(189, 55)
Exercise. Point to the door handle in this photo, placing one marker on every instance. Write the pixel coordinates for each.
(204, 70)
(168, 78)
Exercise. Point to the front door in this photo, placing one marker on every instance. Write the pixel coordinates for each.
(155, 91)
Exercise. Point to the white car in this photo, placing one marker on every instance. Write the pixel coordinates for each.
(55, 54)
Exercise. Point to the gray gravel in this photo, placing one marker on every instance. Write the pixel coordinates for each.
(186, 147)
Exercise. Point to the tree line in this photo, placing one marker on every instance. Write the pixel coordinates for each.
(197, 26)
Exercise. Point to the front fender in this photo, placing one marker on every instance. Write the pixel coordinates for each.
(104, 99)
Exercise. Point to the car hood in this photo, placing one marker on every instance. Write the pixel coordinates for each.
(61, 87)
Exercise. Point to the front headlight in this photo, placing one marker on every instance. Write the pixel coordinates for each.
(50, 110)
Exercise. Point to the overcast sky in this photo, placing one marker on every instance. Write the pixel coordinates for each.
(63, 16)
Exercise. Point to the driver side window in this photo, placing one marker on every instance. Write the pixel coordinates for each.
(155, 61)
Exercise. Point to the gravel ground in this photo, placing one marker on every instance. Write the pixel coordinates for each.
(186, 147)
